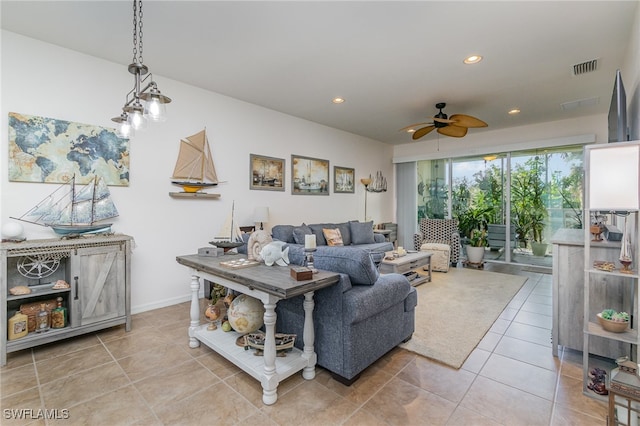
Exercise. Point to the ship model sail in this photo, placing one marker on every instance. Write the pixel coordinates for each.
(69, 210)
(194, 168)
(229, 235)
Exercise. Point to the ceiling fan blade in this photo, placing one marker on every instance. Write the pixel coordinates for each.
(443, 120)
(453, 131)
(463, 120)
(421, 132)
(414, 126)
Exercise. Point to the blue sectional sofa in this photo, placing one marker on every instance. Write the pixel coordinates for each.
(359, 319)
(354, 235)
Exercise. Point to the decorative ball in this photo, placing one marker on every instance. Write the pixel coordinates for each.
(12, 230)
(246, 314)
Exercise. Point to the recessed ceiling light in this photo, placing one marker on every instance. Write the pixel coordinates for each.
(473, 59)
(514, 111)
(411, 130)
(337, 100)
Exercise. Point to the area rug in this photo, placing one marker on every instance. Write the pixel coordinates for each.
(456, 309)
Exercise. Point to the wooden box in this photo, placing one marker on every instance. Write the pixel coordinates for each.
(301, 273)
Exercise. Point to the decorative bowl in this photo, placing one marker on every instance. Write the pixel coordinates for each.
(613, 326)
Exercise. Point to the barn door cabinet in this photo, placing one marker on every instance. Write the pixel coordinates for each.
(97, 269)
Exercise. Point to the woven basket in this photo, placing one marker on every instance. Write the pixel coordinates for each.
(613, 326)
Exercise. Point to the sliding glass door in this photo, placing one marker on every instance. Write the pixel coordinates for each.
(519, 198)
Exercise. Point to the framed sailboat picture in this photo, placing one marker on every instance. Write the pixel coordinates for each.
(343, 180)
(309, 176)
(267, 173)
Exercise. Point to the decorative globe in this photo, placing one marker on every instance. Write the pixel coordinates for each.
(246, 314)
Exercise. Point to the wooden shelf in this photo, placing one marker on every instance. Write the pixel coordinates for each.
(203, 195)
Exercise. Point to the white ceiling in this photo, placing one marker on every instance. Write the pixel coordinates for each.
(391, 60)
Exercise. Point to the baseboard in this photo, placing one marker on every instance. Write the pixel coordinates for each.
(160, 304)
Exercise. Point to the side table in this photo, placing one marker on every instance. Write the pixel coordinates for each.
(407, 265)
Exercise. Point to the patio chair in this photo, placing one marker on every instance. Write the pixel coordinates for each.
(441, 231)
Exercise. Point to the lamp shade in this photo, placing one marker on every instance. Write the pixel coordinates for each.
(614, 176)
(261, 214)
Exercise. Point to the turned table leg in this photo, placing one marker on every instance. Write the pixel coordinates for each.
(195, 311)
(308, 353)
(270, 380)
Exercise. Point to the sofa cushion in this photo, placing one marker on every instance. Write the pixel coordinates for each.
(355, 262)
(317, 228)
(283, 233)
(361, 232)
(299, 232)
(345, 231)
(333, 237)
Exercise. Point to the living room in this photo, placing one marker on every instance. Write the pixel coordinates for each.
(42, 79)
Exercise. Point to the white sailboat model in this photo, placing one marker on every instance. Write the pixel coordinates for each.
(194, 168)
(69, 210)
(229, 235)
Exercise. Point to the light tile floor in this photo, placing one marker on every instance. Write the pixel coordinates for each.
(150, 376)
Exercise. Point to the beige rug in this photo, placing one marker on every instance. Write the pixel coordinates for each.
(456, 309)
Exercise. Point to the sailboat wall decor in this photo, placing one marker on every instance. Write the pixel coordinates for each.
(70, 211)
(194, 169)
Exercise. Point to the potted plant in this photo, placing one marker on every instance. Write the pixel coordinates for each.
(538, 219)
(476, 246)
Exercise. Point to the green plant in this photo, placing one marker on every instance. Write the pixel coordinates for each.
(612, 315)
(217, 292)
(478, 238)
(472, 218)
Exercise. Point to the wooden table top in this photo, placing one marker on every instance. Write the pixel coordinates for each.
(275, 280)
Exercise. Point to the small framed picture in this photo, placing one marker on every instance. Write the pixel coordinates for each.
(267, 173)
(309, 176)
(343, 180)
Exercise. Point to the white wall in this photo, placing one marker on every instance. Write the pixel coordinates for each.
(45, 80)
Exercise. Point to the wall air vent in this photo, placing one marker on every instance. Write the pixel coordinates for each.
(585, 67)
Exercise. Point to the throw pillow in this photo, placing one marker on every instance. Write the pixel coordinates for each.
(333, 237)
(299, 232)
(361, 232)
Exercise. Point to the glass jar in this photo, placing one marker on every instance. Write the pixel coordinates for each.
(42, 319)
(59, 316)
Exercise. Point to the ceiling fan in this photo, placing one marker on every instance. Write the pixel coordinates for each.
(455, 126)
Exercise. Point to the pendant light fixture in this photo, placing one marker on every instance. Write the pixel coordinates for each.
(134, 114)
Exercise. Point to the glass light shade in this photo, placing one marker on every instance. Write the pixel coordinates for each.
(137, 120)
(125, 130)
(155, 110)
(614, 177)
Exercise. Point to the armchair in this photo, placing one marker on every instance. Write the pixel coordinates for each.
(443, 231)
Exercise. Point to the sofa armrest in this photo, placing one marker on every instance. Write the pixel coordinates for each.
(363, 302)
(379, 238)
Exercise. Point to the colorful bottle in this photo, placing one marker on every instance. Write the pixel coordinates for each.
(59, 317)
(18, 326)
(42, 319)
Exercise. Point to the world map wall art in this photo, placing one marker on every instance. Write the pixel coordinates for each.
(47, 150)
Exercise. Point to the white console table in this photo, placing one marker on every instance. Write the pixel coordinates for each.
(269, 284)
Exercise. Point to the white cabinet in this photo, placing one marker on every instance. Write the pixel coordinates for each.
(97, 269)
(610, 288)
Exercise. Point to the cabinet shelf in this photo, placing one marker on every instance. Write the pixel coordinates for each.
(629, 336)
(37, 291)
(615, 273)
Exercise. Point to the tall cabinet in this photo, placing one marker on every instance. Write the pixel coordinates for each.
(612, 183)
(97, 270)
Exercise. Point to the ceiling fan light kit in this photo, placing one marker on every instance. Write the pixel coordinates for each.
(455, 126)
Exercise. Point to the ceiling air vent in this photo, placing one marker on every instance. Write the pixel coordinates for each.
(585, 67)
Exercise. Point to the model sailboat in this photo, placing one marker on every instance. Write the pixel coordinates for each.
(229, 235)
(69, 210)
(194, 168)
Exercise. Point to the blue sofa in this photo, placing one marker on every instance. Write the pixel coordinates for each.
(357, 320)
(354, 235)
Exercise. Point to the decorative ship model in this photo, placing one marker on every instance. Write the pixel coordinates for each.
(69, 211)
(229, 236)
(194, 168)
